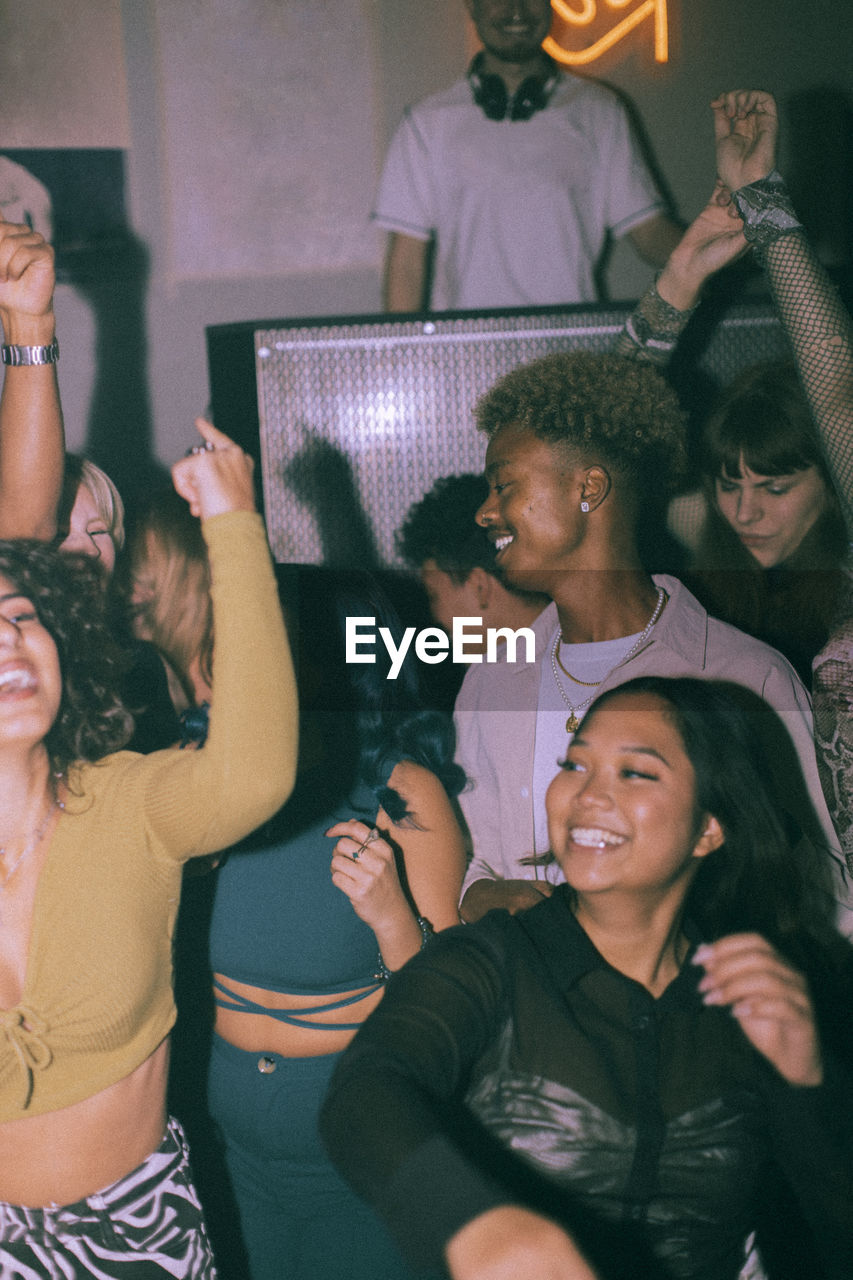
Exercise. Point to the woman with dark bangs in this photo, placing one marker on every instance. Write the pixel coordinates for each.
(774, 542)
(771, 539)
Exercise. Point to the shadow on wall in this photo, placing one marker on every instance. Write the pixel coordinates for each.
(818, 125)
(114, 282)
(321, 476)
(99, 256)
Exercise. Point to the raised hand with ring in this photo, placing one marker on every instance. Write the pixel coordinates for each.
(216, 475)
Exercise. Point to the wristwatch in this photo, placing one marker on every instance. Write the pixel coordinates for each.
(16, 355)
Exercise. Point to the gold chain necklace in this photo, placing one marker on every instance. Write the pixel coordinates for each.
(589, 684)
(573, 721)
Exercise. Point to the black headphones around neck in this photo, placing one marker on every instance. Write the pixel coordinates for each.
(491, 96)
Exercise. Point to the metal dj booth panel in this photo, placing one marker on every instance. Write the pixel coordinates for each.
(353, 419)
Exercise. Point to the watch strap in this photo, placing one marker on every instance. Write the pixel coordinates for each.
(13, 354)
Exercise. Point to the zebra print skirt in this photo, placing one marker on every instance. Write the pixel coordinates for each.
(146, 1226)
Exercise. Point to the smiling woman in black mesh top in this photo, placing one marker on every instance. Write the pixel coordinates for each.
(631, 1077)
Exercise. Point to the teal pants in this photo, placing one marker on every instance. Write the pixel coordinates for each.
(299, 1220)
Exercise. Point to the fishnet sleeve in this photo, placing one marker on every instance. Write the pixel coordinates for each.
(833, 717)
(814, 317)
(816, 321)
(821, 334)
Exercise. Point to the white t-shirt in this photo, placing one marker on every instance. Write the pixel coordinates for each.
(519, 209)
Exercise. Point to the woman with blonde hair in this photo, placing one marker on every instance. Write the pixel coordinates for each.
(170, 597)
(91, 513)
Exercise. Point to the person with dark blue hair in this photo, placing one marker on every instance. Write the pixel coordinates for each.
(306, 918)
(310, 917)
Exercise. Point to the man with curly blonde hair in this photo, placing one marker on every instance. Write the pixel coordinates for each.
(582, 446)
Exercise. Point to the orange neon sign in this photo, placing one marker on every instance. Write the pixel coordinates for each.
(585, 13)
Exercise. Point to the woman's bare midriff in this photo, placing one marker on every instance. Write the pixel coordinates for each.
(62, 1156)
(257, 1033)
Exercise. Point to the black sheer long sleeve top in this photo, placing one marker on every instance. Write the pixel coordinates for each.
(510, 1063)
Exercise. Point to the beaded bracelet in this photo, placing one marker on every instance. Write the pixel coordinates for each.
(383, 973)
(655, 325)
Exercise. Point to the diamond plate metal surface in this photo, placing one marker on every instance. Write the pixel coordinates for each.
(358, 419)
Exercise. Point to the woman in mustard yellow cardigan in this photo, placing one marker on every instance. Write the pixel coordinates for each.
(94, 1177)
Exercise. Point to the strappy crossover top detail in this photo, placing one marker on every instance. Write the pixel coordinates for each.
(281, 925)
(301, 1017)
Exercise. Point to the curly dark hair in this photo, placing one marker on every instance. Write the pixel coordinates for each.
(67, 592)
(621, 409)
(441, 527)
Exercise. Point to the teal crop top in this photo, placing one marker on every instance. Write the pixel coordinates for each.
(279, 923)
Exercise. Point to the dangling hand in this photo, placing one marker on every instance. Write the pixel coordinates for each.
(713, 240)
(746, 128)
(769, 999)
(365, 869)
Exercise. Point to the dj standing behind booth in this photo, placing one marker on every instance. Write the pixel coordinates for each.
(517, 173)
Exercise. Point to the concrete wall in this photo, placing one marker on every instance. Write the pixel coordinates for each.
(255, 129)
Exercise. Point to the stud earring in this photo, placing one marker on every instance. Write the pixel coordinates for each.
(584, 507)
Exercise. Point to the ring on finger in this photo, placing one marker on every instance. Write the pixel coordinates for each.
(372, 835)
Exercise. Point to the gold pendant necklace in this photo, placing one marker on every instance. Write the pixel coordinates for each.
(573, 721)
